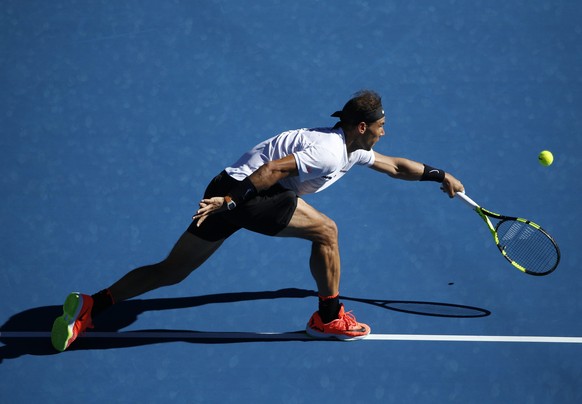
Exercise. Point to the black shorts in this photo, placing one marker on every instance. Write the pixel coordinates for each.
(267, 213)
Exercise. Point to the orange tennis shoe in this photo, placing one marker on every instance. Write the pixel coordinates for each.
(76, 319)
(344, 328)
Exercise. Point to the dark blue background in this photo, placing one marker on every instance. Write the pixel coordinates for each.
(114, 115)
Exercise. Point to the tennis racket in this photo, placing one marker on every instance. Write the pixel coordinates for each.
(523, 243)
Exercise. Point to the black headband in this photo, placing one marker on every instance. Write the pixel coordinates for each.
(350, 116)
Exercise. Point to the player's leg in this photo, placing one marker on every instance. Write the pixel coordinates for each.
(79, 310)
(310, 224)
(193, 248)
(188, 254)
(331, 320)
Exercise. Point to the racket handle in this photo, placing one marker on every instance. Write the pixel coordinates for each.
(467, 200)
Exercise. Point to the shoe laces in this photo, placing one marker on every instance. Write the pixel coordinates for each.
(348, 319)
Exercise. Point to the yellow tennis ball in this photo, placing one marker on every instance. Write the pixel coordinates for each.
(546, 158)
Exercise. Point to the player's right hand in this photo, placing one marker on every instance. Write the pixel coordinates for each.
(451, 185)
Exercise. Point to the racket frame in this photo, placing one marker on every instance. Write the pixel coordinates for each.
(485, 214)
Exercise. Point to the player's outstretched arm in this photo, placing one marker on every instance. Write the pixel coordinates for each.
(410, 170)
(398, 167)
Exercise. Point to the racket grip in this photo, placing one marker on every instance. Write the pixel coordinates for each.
(467, 200)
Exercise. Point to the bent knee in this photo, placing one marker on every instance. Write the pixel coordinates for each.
(327, 231)
(310, 224)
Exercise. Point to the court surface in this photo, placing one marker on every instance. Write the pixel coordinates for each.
(114, 115)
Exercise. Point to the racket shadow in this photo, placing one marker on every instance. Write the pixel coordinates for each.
(38, 321)
(431, 309)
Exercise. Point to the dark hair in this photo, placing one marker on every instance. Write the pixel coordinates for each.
(364, 106)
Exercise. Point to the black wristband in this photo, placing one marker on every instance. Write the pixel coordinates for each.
(432, 174)
(243, 191)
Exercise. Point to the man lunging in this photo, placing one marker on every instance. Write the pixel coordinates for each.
(262, 192)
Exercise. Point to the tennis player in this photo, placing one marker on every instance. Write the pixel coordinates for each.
(262, 192)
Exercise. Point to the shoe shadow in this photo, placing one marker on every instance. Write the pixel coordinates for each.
(29, 324)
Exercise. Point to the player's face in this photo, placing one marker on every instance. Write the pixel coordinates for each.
(373, 133)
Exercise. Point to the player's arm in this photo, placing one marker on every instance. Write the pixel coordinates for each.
(265, 177)
(398, 167)
(410, 170)
(273, 171)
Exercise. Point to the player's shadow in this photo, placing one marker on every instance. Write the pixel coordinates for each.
(39, 320)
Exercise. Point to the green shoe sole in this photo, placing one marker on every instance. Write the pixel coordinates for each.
(62, 331)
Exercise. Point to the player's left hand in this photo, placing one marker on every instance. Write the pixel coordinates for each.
(209, 207)
(451, 185)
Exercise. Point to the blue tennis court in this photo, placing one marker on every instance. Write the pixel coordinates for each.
(114, 115)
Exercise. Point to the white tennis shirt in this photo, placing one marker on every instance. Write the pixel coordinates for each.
(320, 153)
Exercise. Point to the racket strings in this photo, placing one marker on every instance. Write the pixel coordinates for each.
(528, 246)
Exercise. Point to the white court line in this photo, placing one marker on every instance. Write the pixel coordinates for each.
(474, 338)
(298, 336)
